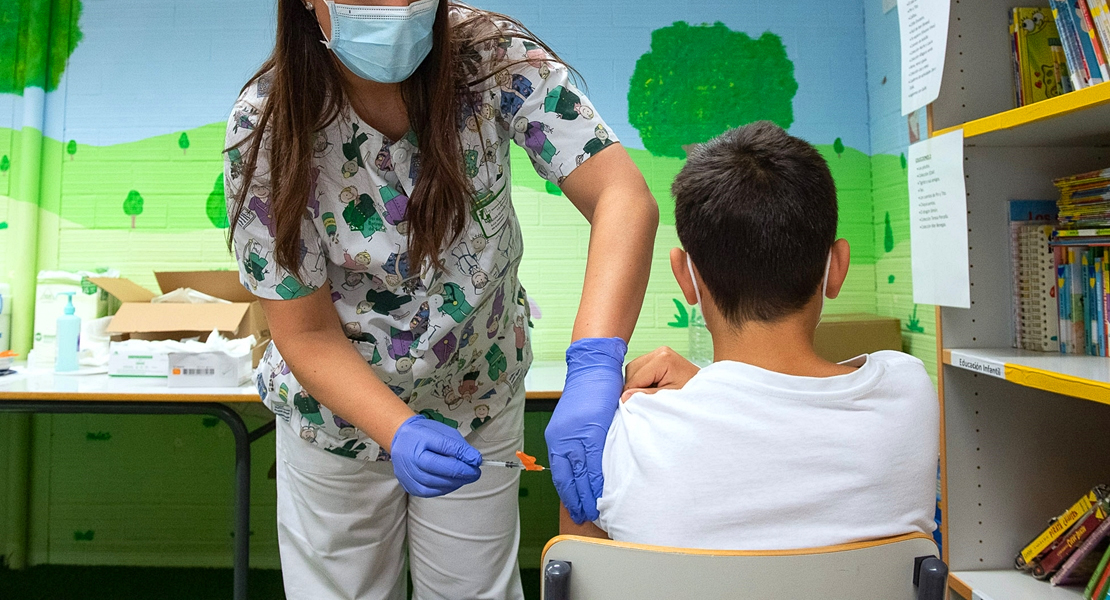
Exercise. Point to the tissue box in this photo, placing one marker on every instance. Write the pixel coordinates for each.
(124, 362)
(208, 369)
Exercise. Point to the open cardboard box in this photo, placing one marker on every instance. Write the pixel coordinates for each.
(138, 318)
(842, 337)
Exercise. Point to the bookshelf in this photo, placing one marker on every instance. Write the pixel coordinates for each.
(1024, 433)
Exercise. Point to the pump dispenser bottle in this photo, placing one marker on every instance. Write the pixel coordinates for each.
(68, 338)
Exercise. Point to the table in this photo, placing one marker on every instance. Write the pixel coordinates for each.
(43, 391)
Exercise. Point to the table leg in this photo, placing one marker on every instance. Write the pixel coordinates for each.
(241, 543)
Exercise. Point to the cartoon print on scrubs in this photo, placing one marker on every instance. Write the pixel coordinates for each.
(481, 416)
(451, 342)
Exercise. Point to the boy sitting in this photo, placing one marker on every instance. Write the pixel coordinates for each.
(770, 447)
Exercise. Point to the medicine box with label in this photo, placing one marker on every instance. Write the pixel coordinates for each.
(127, 362)
(208, 369)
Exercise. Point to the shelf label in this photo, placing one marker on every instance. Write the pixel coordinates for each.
(938, 222)
(923, 25)
(979, 365)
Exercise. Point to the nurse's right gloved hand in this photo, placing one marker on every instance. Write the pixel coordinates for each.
(431, 459)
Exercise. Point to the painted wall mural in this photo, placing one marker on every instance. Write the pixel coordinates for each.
(698, 81)
(37, 38)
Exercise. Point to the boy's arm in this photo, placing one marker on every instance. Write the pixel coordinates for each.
(567, 526)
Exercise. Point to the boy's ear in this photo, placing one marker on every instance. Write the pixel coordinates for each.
(841, 256)
(682, 275)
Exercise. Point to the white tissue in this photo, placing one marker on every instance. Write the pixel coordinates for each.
(215, 343)
(95, 343)
(187, 296)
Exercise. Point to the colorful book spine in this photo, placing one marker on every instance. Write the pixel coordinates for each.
(1079, 566)
(1078, 311)
(1067, 545)
(1103, 585)
(1090, 55)
(1069, 39)
(1087, 22)
(1097, 309)
(1100, 12)
(1058, 527)
(1062, 301)
(1093, 583)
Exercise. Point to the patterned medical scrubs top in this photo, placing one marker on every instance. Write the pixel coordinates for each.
(451, 343)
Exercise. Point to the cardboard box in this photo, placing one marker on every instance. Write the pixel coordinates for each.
(208, 369)
(138, 318)
(841, 337)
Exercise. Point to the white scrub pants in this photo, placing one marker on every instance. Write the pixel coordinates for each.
(346, 527)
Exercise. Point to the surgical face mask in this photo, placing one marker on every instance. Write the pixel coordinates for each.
(824, 281)
(382, 43)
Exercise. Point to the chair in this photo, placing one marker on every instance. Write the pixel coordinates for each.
(899, 568)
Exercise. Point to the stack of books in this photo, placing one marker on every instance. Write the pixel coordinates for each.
(1082, 256)
(1072, 550)
(1059, 48)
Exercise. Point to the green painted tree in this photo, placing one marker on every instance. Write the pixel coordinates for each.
(5, 164)
(698, 81)
(3, 225)
(133, 206)
(71, 148)
(37, 38)
(902, 160)
(838, 147)
(888, 234)
(183, 142)
(216, 207)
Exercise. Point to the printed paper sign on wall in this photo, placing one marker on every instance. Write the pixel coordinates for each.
(923, 25)
(938, 222)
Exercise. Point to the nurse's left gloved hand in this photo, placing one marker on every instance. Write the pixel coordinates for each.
(576, 433)
(431, 459)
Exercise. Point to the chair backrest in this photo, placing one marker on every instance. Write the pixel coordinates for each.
(874, 570)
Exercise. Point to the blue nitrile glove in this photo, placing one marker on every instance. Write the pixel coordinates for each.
(431, 459)
(576, 434)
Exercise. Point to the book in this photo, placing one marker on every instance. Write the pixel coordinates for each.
(1058, 526)
(1103, 585)
(1090, 55)
(1100, 12)
(1089, 591)
(1047, 565)
(1082, 563)
(1035, 35)
(1035, 307)
(1015, 58)
(1069, 39)
(1087, 26)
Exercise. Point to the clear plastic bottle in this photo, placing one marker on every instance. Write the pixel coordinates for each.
(701, 343)
(68, 338)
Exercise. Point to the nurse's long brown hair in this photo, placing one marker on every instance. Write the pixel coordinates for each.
(306, 95)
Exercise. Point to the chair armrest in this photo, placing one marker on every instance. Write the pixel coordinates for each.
(556, 580)
(931, 578)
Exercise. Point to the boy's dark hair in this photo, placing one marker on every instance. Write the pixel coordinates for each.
(756, 210)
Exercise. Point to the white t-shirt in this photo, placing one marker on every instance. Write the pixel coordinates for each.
(748, 459)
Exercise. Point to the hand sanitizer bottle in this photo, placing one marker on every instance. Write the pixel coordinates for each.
(68, 338)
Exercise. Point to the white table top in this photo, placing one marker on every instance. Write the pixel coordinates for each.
(544, 381)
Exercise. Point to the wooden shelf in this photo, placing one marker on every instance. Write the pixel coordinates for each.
(1008, 585)
(1086, 377)
(1080, 118)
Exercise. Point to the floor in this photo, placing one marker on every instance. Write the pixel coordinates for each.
(52, 582)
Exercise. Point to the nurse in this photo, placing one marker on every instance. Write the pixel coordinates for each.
(368, 185)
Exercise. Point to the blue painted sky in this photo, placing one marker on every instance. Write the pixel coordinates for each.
(158, 66)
